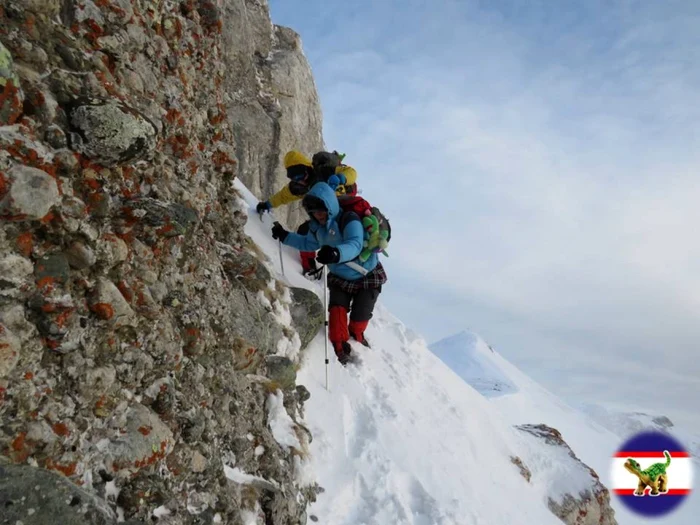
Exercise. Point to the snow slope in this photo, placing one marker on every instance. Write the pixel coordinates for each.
(402, 439)
(528, 402)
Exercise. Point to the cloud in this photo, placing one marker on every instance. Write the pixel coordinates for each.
(539, 162)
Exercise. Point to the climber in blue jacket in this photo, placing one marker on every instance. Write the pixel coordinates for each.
(354, 286)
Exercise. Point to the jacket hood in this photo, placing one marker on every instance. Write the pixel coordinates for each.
(323, 191)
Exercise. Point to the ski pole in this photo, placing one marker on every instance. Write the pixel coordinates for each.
(325, 309)
(281, 260)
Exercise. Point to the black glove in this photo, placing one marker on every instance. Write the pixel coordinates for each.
(328, 255)
(278, 232)
(263, 207)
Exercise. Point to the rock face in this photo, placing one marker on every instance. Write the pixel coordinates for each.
(40, 497)
(274, 104)
(11, 96)
(108, 132)
(307, 313)
(140, 334)
(30, 193)
(9, 351)
(588, 506)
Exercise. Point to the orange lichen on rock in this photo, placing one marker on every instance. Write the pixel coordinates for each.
(66, 470)
(104, 311)
(46, 284)
(25, 243)
(60, 429)
(9, 97)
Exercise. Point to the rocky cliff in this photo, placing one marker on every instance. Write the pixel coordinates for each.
(271, 99)
(142, 338)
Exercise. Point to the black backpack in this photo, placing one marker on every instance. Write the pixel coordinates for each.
(325, 163)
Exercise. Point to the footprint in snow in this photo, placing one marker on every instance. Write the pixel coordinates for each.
(380, 398)
(359, 427)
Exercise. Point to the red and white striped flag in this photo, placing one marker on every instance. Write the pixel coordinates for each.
(639, 454)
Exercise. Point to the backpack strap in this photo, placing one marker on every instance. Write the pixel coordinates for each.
(359, 269)
(346, 218)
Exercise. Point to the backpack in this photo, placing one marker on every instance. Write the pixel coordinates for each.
(376, 225)
(324, 163)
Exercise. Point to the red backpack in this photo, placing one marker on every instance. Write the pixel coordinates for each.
(354, 203)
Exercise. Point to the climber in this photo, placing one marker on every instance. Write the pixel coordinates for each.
(303, 173)
(354, 285)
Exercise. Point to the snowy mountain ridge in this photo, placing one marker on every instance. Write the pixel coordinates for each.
(402, 439)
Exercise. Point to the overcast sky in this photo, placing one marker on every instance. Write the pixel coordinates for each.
(539, 162)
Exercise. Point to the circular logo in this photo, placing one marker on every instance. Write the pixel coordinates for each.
(652, 474)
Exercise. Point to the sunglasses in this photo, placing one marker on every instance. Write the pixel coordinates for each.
(296, 173)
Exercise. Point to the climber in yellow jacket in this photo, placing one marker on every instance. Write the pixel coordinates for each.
(303, 174)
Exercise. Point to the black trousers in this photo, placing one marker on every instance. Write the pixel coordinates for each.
(360, 304)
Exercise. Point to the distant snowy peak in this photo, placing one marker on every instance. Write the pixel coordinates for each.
(625, 423)
(475, 362)
(462, 340)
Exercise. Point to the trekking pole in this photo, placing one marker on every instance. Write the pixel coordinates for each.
(281, 260)
(325, 309)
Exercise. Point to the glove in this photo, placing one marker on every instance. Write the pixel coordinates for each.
(263, 206)
(278, 232)
(328, 255)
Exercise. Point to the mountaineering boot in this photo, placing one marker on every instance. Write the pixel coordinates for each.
(310, 269)
(313, 275)
(308, 261)
(344, 353)
(357, 331)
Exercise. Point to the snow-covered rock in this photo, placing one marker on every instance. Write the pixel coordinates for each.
(573, 490)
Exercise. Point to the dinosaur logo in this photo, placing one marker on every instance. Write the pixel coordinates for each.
(653, 477)
(651, 474)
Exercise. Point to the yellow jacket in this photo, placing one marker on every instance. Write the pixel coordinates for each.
(293, 191)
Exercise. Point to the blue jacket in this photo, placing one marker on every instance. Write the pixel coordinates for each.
(349, 242)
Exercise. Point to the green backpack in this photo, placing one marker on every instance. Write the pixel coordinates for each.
(375, 224)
